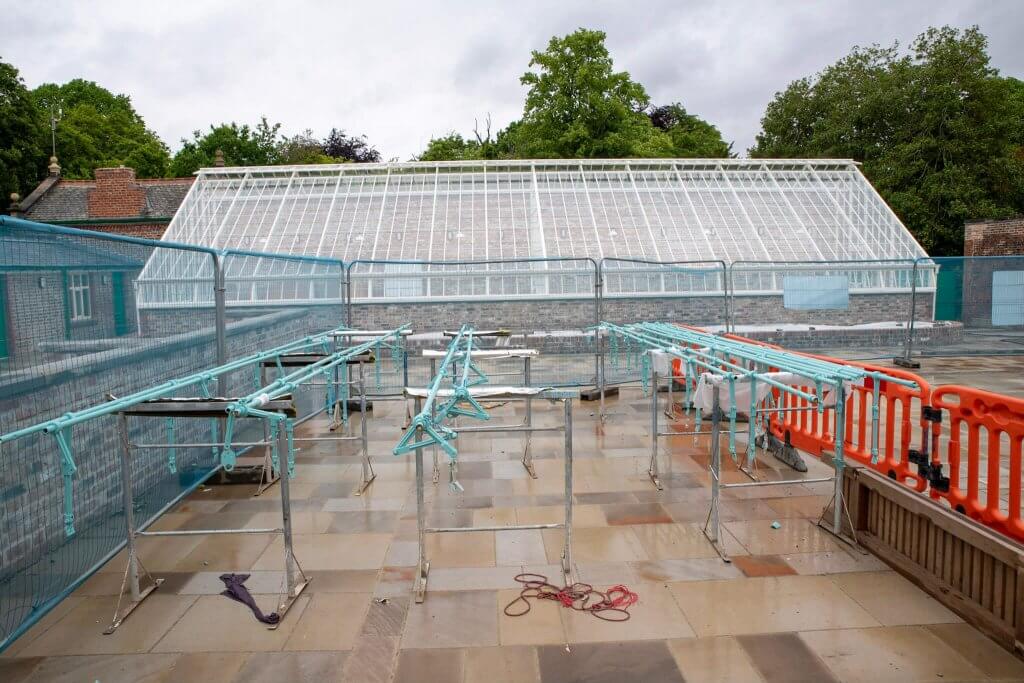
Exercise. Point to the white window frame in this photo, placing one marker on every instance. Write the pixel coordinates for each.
(80, 296)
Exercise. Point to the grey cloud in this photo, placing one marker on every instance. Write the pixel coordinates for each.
(403, 71)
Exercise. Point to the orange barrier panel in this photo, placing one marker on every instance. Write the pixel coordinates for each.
(807, 430)
(980, 422)
(998, 421)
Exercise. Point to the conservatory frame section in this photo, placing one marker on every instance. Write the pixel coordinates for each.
(518, 229)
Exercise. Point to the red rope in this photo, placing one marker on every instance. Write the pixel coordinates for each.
(581, 597)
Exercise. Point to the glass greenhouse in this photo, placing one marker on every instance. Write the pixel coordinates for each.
(405, 224)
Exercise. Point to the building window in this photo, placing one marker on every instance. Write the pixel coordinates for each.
(80, 296)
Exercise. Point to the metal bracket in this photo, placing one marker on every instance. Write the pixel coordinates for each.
(131, 581)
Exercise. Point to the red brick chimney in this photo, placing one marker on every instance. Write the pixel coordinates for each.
(116, 194)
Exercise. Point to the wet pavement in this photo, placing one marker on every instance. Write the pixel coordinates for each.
(794, 605)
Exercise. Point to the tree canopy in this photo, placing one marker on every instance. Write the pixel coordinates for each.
(22, 159)
(97, 128)
(578, 106)
(262, 145)
(355, 148)
(241, 145)
(940, 134)
(692, 137)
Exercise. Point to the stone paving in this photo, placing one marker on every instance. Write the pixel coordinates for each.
(794, 605)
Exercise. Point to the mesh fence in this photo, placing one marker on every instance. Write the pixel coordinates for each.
(632, 290)
(848, 308)
(72, 335)
(545, 304)
(976, 305)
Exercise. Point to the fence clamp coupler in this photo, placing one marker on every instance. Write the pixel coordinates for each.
(930, 472)
(931, 414)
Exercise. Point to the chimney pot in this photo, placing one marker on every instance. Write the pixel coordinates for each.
(218, 158)
(54, 167)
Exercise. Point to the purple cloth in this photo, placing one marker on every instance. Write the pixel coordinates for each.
(236, 590)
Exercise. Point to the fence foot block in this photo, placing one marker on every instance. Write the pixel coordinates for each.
(906, 363)
(123, 612)
(594, 393)
(785, 453)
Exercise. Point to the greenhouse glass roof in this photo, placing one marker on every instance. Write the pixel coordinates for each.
(659, 210)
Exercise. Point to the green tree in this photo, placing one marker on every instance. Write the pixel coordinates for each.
(577, 105)
(342, 147)
(303, 148)
(22, 159)
(451, 147)
(938, 131)
(97, 128)
(483, 145)
(241, 145)
(692, 136)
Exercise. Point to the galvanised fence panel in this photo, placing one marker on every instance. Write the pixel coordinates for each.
(73, 335)
(636, 290)
(546, 304)
(853, 309)
(976, 306)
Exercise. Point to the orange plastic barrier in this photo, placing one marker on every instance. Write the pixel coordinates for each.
(813, 433)
(897, 406)
(997, 420)
(911, 435)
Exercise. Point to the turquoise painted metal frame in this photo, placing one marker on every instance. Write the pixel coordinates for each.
(429, 423)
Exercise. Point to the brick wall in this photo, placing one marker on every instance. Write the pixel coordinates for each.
(564, 314)
(116, 194)
(38, 311)
(994, 238)
(151, 231)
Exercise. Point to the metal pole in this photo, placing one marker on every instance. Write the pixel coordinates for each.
(652, 470)
(269, 471)
(598, 369)
(837, 517)
(129, 513)
(286, 512)
(727, 287)
(368, 473)
(528, 451)
(712, 528)
(599, 339)
(716, 463)
(348, 295)
(220, 320)
(405, 378)
(670, 408)
(567, 549)
(131, 573)
(908, 346)
(436, 475)
(422, 565)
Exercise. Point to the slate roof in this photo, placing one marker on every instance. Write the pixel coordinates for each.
(69, 200)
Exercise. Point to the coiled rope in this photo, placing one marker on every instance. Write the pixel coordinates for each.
(611, 605)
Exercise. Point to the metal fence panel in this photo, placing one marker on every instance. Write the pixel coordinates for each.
(73, 335)
(978, 304)
(546, 304)
(856, 309)
(635, 290)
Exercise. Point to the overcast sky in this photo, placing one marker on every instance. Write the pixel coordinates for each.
(401, 72)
